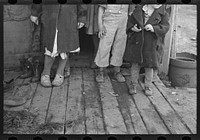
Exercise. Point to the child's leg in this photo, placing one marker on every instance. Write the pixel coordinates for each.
(105, 43)
(155, 74)
(67, 69)
(96, 44)
(45, 76)
(59, 78)
(148, 80)
(100, 75)
(135, 69)
(48, 62)
(119, 45)
(61, 65)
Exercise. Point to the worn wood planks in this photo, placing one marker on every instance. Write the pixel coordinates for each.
(129, 111)
(75, 119)
(113, 118)
(183, 103)
(57, 106)
(149, 115)
(167, 114)
(93, 114)
(83, 106)
(40, 103)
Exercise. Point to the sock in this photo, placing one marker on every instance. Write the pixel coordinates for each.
(116, 69)
(48, 62)
(61, 66)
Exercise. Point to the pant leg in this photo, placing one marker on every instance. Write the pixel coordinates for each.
(119, 43)
(106, 42)
(148, 76)
(135, 69)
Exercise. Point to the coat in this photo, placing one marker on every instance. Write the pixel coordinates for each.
(65, 18)
(92, 19)
(145, 47)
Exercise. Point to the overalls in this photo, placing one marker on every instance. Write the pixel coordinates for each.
(115, 21)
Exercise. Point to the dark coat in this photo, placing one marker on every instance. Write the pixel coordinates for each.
(92, 19)
(145, 47)
(66, 17)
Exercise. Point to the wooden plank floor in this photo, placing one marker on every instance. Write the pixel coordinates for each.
(84, 106)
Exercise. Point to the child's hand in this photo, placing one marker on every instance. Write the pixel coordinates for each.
(102, 31)
(149, 27)
(80, 25)
(136, 29)
(34, 19)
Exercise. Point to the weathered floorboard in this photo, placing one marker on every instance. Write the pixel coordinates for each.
(113, 118)
(152, 120)
(93, 114)
(40, 103)
(183, 102)
(129, 110)
(57, 106)
(168, 115)
(121, 90)
(75, 119)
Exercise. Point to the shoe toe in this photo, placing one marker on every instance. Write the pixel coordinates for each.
(58, 81)
(45, 81)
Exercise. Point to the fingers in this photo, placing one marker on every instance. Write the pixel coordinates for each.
(136, 29)
(34, 19)
(149, 27)
(80, 25)
(36, 22)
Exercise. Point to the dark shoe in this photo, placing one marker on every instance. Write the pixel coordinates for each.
(45, 81)
(100, 77)
(132, 89)
(148, 91)
(93, 65)
(119, 77)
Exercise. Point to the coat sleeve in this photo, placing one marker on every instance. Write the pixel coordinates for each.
(162, 28)
(131, 8)
(131, 22)
(82, 13)
(36, 10)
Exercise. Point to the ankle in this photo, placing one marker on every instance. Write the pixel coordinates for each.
(116, 69)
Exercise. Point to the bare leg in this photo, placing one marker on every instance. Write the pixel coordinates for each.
(96, 45)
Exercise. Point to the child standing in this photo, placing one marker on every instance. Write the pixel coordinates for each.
(112, 21)
(146, 30)
(92, 28)
(60, 25)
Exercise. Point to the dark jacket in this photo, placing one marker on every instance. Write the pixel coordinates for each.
(145, 47)
(65, 17)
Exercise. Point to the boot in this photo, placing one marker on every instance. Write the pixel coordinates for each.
(132, 89)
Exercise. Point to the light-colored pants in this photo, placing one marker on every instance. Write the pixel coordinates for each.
(135, 69)
(115, 38)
